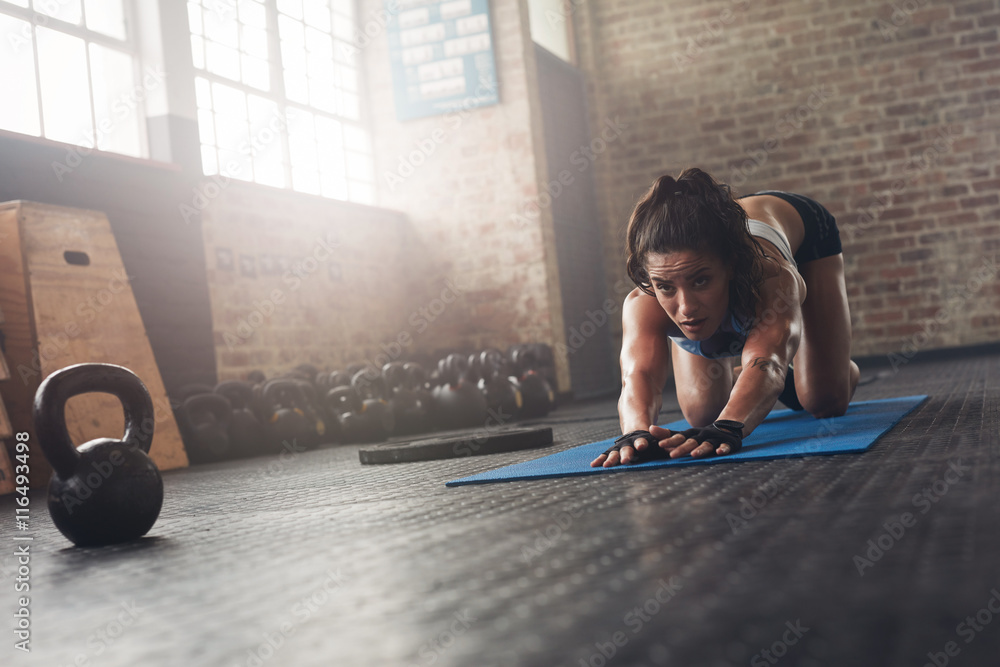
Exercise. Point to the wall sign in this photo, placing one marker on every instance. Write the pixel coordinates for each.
(441, 54)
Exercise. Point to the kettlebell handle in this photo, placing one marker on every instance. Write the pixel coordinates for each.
(60, 386)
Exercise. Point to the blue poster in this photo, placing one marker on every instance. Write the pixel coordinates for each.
(441, 54)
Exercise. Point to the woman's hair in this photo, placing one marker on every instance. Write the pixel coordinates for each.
(695, 212)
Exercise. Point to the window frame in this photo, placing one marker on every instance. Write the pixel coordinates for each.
(277, 95)
(129, 45)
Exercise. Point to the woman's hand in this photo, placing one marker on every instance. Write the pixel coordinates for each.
(696, 442)
(627, 449)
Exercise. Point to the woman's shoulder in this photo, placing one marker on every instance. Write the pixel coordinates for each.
(644, 313)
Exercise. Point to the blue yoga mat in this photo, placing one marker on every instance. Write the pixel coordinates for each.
(783, 434)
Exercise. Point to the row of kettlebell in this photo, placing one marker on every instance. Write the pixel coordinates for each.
(363, 404)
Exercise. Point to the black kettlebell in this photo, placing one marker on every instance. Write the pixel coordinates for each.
(339, 379)
(343, 404)
(246, 435)
(106, 491)
(205, 420)
(316, 412)
(537, 394)
(376, 410)
(503, 393)
(458, 402)
(418, 382)
(287, 422)
(409, 408)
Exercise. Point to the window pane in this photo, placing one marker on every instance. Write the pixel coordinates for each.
(291, 32)
(359, 167)
(350, 106)
(334, 185)
(345, 7)
(329, 136)
(222, 27)
(266, 125)
(256, 73)
(194, 18)
(355, 139)
(252, 14)
(106, 17)
(292, 8)
(302, 139)
(222, 61)
(203, 92)
(230, 103)
(198, 52)
(343, 28)
(116, 102)
(209, 160)
(316, 14)
(62, 69)
(254, 42)
(19, 113)
(206, 126)
(70, 11)
(319, 43)
(346, 78)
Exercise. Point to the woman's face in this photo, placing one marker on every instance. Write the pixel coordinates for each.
(693, 288)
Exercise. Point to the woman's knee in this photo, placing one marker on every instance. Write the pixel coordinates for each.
(825, 405)
(699, 412)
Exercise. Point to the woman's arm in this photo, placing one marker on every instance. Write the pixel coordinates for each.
(645, 363)
(769, 348)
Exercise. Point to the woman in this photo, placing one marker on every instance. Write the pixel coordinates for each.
(747, 290)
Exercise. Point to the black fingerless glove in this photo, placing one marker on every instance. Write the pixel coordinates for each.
(722, 431)
(653, 451)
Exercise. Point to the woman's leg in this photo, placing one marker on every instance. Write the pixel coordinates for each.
(825, 376)
(703, 385)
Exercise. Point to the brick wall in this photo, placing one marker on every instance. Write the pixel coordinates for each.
(888, 113)
(295, 278)
(465, 180)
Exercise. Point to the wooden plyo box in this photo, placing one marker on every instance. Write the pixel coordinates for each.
(66, 300)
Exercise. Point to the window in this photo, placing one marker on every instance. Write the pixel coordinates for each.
(551, 26)
(278, 95)
(68, 72)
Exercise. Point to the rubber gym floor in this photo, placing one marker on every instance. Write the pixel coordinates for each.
(314, 559)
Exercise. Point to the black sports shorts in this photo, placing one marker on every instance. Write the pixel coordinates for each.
(822, 237)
